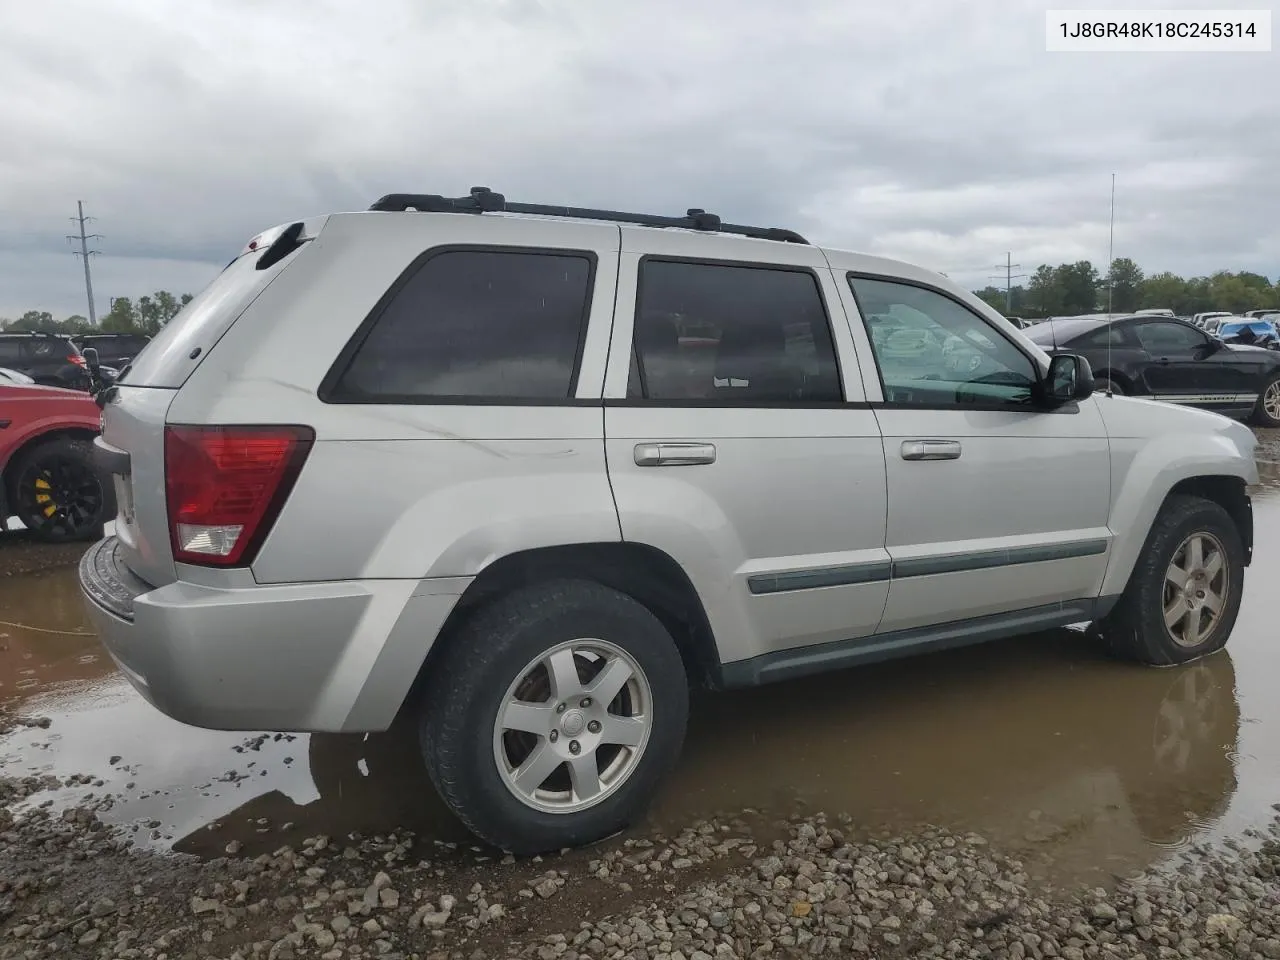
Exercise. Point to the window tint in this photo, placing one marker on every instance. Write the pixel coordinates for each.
(1107, 336)
(478, 324)
(1168, 336)
(932, 351)
(10, 351)
(711, 332)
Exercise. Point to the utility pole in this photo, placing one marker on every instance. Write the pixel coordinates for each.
(84, 253)
(1009, 277)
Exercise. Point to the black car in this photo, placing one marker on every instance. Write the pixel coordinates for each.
(1164, 358)
(114, 349)
(46, 358)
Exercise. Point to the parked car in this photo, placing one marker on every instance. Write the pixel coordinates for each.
(48, 480)
(1247, 332)
(45, 357)
(572, 525)
(1269, 313)
(1169, 360)
(1201, 318)
(13, 376)
(1212, 324)
(115, 350)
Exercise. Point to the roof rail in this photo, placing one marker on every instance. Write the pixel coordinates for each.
(484, 200)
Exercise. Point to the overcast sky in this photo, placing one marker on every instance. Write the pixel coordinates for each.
(930, 130)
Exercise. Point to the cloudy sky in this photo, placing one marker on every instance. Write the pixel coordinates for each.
(930, 130)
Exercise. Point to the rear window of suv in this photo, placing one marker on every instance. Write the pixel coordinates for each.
(469, 324)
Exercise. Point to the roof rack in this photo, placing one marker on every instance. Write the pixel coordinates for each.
(484, 200)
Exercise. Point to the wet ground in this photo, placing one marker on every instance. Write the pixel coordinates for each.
(1086, 768)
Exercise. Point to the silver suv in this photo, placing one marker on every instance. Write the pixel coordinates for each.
(524, 475)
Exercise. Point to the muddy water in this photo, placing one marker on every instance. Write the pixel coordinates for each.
(1089, 767)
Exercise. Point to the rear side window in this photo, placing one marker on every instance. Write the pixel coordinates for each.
(473, 325)
(10, 351)
(726, 334)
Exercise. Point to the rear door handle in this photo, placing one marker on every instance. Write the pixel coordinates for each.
(931, 450)
(674, 454)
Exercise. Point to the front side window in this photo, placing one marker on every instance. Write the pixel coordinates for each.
(476, 324)
(728, 334)
(932, 351)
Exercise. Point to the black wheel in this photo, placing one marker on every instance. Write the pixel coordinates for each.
(1105, 384)
(57, 494)
(552, 714)
(1184, 593)
(1267, 412)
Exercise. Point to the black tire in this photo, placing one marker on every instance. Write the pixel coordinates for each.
(1260, 417)
(468, 684)
(1103, 384)
(1135, 628)
(60, 474)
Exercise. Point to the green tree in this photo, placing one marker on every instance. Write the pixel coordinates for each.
(1079, 284)
(1163, 290)
(1125, 278)
(35, 321)
(992, 297)
(122, 318)
(1044, 292)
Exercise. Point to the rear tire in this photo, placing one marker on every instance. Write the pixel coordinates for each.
(513, 738)
(1192, 562)
(57, 492)
(1267, 411)
(1105, 384)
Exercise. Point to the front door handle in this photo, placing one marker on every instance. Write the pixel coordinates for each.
(674, 454)
(931, 450)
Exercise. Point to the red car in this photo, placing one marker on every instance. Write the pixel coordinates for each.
(47, 475)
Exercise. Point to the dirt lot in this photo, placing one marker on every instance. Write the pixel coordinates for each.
(1025, 799)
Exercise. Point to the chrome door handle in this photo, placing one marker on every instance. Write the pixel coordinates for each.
(931, 450)
(674, 454)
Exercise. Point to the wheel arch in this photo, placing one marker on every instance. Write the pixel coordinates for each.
(1197, 473)
(72, 431)
(645, 573)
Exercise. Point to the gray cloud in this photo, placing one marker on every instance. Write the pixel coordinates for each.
(931, 131)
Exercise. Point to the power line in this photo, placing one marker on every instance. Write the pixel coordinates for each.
(84, 253)
(1009, 277)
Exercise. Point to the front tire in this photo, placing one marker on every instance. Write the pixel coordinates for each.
(1184, 594)
(552, 715)
(1267, 412)
(1106, 384)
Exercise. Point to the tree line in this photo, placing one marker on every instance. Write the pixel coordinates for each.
(147, 315)
(1073, 288)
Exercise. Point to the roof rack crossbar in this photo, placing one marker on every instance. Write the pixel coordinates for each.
(484, 200)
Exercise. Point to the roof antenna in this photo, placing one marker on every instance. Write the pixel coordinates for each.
(1111, 244)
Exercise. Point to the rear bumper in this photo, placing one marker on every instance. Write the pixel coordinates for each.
(335, 657)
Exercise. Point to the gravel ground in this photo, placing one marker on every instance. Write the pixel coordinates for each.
(718, 890)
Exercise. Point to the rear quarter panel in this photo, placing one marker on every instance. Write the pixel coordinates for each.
(409, 490)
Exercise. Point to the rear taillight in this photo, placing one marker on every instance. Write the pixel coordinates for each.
(226, 485)
(78, 360)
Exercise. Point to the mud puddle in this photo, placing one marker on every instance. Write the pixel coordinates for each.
(1087, 767)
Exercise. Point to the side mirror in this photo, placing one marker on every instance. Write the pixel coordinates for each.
(1070, 378)
(91, 360)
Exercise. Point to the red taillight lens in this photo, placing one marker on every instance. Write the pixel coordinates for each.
(78, 360)
(225, 486)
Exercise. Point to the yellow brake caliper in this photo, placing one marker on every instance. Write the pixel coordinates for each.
(42, 496)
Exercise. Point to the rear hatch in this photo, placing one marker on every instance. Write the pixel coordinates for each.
(131, 446)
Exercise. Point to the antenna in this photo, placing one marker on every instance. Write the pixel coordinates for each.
(1111, 245)
(85, 253)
